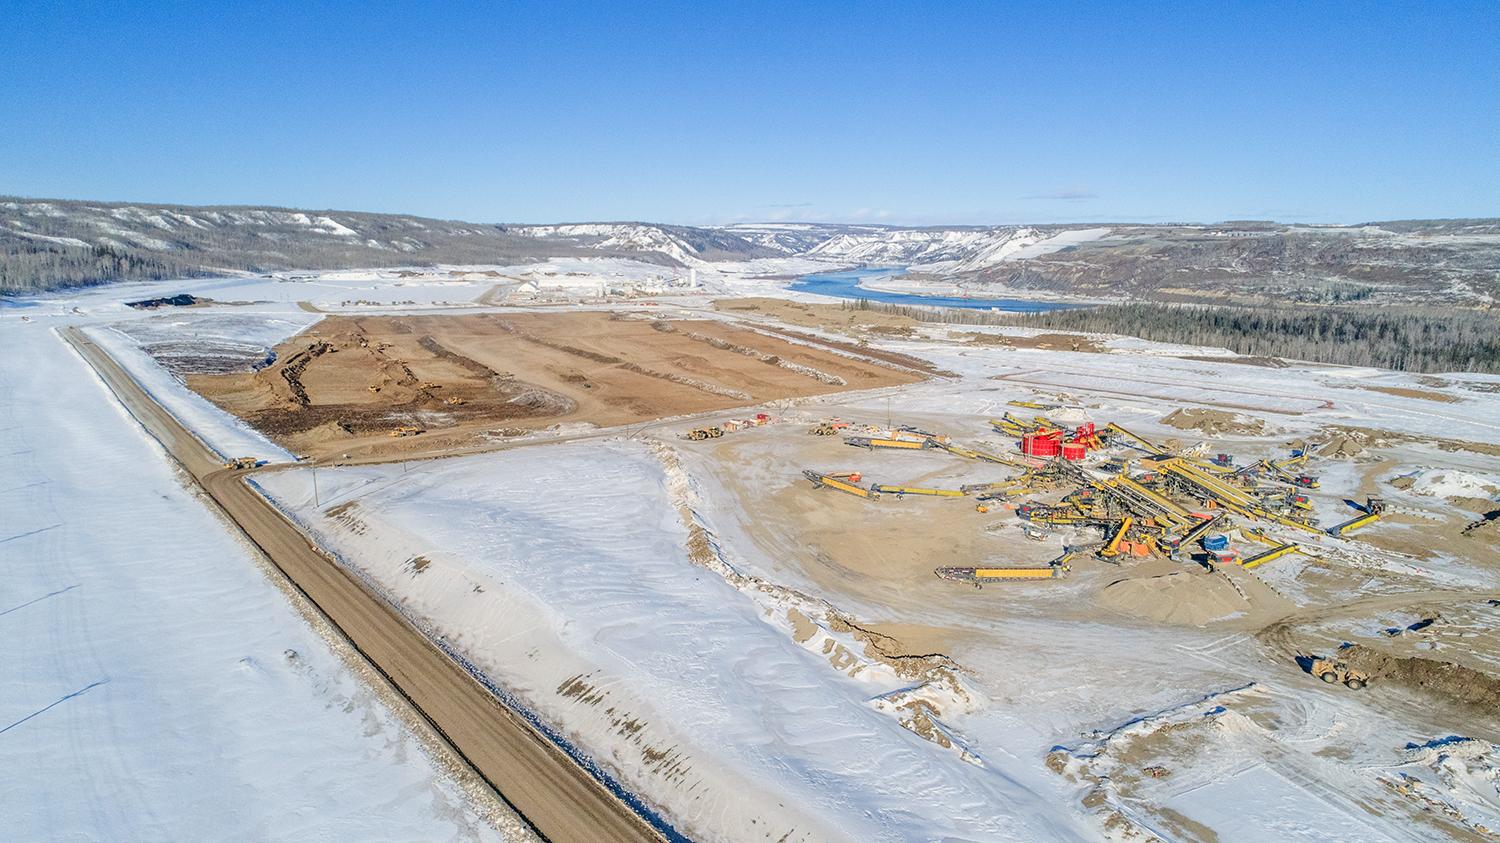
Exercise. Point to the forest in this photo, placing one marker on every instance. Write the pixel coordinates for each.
(1403, 338)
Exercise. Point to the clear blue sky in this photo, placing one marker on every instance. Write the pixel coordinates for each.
(708, 112)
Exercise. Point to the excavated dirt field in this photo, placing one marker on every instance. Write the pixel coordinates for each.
(348, 381)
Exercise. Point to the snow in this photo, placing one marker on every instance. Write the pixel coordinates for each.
(1282, 809)
(561, 571)
(580, 574)
(949, 249)
(61, 241)
(224, 434)
(334, 227)
(158, 686)
(1456, 484)
(619, 236)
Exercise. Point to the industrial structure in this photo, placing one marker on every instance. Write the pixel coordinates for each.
(1144, 498)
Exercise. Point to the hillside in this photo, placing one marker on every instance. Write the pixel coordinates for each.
(49, 243)
(53, 243)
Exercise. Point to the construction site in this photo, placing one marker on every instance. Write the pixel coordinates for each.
(351, 385)
(692, 540)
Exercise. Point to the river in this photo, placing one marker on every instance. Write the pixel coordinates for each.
(845, 285)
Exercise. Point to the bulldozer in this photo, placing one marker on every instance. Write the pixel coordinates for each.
(241, 463)
(1333, 671)
(829, 427)
(700, 433)
(405, 430)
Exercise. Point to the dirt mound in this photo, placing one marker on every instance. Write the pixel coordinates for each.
(1189, 599)
(1066, 342)
(1346, 441)
(1213, 421)
(1341, 445)
(1445, 679)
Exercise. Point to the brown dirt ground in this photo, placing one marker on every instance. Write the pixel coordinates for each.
(1059, 342)
(1213, 421)
(830, 317)
(1407, 392)
(1243, 360)
(347, 381)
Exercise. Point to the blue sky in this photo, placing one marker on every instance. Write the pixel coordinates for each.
(919, 113)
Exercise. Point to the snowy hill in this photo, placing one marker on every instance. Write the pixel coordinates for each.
(683, 244)
(51, 243)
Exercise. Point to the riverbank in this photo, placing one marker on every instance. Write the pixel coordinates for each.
(879, 284)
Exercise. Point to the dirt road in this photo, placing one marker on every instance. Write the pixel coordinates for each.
(559, 798)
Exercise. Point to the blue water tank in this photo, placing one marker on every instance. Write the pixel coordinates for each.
(1215, 542)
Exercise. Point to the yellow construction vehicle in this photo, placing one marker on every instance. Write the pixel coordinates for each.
(405, 430)
(1374, 508)
(454, 401)
(828, 427)
(1334, 671)
(241, 463)
(698, 434)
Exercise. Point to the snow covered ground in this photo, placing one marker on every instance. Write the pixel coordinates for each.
(573, 587)
(569, 574)
(158, 685)
(226, 435)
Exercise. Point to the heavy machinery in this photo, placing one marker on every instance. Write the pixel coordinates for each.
(1193, 532)
(1113, 430)
(1112, 548)
(698, 434)
(1374, 508)
(405, 430)
(1282, 471)
(979, 576)
(241, 463)
(1269, 555)
(828, 427)
(846, 483)
(871, 442)
(1334, 671)
(899, 491)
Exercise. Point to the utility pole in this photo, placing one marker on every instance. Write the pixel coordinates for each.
(315, 487)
